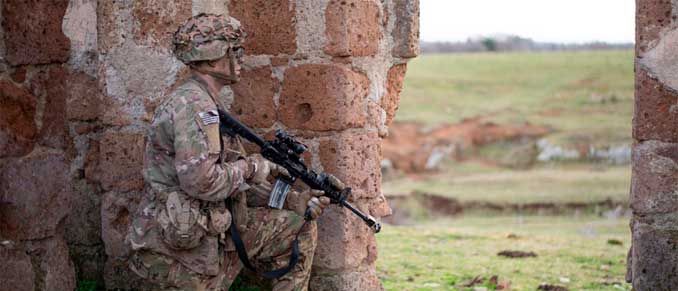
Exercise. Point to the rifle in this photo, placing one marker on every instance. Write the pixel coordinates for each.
(286, 152)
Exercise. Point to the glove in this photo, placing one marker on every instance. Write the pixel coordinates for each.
(311, 199)
(261, 168)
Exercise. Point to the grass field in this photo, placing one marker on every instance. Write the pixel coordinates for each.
(576, 93)
(571, 252)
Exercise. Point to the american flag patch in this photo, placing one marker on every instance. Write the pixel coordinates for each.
(209, 117)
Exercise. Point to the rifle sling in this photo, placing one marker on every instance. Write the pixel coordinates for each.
(242, 254)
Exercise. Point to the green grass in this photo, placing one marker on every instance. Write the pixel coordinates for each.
(439, 254)
(472, 181)
(552, 89)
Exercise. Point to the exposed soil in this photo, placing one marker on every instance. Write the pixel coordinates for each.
(409, 207)
(413, 148)
(517, 254)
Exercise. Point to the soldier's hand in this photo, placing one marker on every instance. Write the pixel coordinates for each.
(262, 168)
(313, 200)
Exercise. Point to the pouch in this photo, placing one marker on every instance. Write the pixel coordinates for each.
(182, 225)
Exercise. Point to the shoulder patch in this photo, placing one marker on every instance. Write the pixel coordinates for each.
(209, 117)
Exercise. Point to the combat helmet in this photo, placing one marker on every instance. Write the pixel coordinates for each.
(207, 37)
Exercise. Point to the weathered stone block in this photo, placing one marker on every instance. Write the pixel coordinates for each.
(35, 195)
(394, 85)
(33, 32)
(323, 97)
(120, 161)
(654, 183)
(159, 19)
(83, 227)
(270, 25)
(52, 264)
(651, 17)
(656, 110)
(353, 27)
(654, 255)
(52, 85)
(406, 31)
(355, 160)
(116, 210)
(253, 102)
(361, 279)
(16, 271)
(17, 128)
(84, 97)
(344, 241)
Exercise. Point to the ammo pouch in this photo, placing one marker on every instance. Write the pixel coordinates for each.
(181, 224)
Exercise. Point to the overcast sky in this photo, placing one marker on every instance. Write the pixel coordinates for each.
(541, 20)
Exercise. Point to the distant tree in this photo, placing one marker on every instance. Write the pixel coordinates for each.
(490, 44)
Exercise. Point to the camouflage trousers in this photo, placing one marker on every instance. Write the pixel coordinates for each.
(268, 239)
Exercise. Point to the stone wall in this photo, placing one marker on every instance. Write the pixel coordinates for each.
(79, 81)
(654, 186)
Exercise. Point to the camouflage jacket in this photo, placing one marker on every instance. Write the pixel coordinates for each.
(184, 158)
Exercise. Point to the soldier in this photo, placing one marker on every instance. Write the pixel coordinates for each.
(200, 183)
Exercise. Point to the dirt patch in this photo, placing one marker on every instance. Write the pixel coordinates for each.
(407, 208)
(413, 148)
(517, 254)
(549, 287)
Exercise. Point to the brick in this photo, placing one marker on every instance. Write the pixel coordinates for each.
(323, 97)
(109, 15)
(52, 85)
(159, 19)
(654, 255)
(654, 181)
(379, 207)
(17, 127)
(19, 75)
(652, 16)
(656, 110)
(344, 241)
(406, 31)
(35, 195)
(253, 101)
(353, 27)
(33, 33)
(355, 160)
(270, 25)
(120, 162)
(394, 86)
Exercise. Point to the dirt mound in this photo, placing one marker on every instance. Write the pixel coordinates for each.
(413, 148)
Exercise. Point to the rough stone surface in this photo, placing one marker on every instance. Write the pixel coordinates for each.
(323, 97)
(80, 26)
(52, 85)
(115, 220)
(652, 16)
(210, 6)
(406, 31)
(83, 227)
(17, 128)
(35, 195)
(654, 255)
(84, 97)
(355, 160)
(654, 183)
(662, 60)
(159, 19)
(270, 25)
(120, 161)
(88, 262)
(16, 271)
(357, 280)
(33, 33)
(394, 85)
(253, 102)
(343, 241)
(656, 110)
(353, 27)
(52, 264)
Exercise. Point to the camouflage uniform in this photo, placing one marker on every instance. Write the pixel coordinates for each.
(179, 235)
